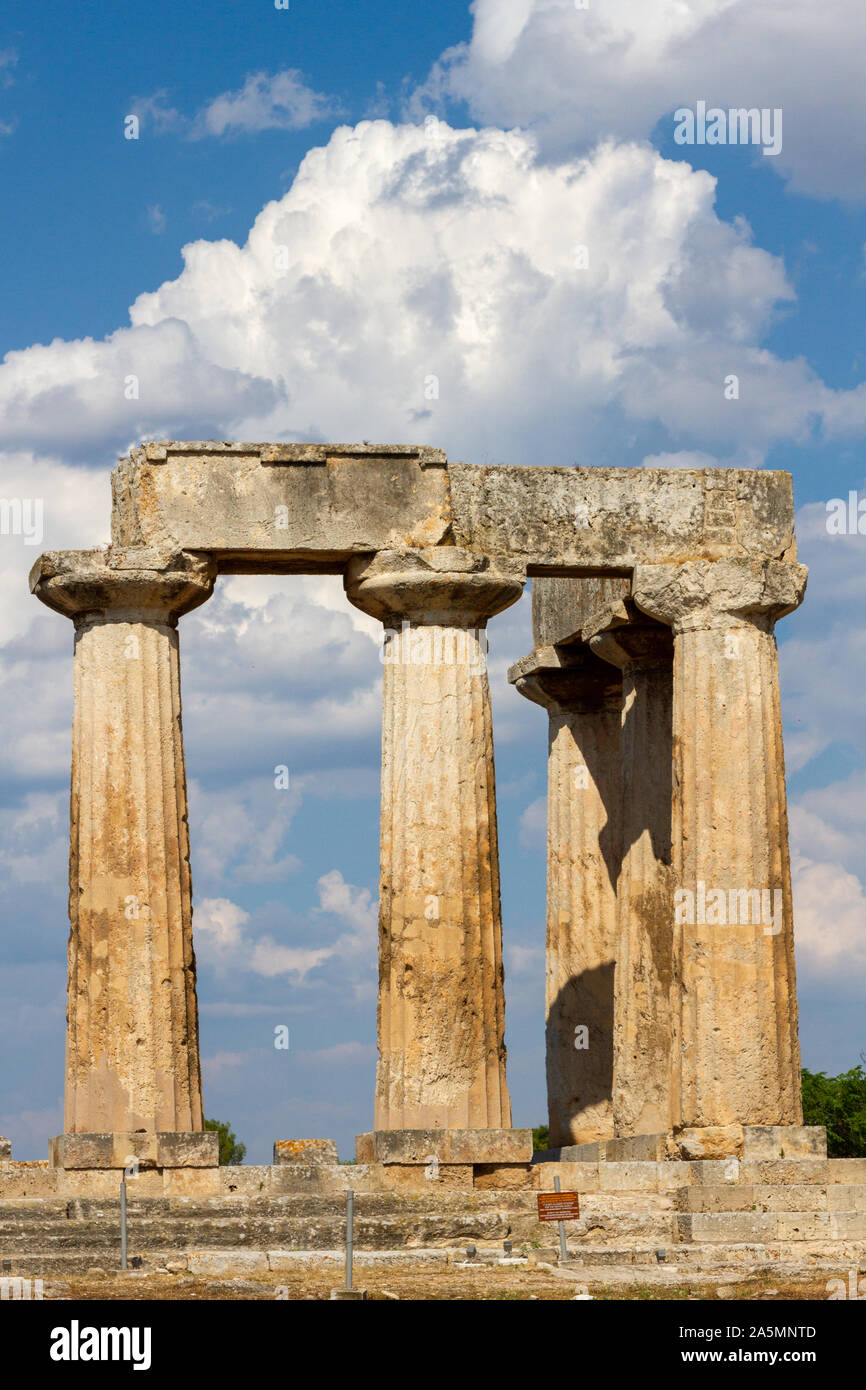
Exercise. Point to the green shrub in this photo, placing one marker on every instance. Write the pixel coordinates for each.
(230, 1150)
(839, 1102)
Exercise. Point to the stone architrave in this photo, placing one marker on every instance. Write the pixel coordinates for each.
(583, 698)
(734, 1021)
(643, 650)
(441, 999)
(132, 1054)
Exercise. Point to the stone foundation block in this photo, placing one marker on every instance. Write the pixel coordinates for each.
(728, 1226)
(196, 1149)
(27, 1180)
(192, 1182)
(716, 1170)
(507, 1177)
(844, 1197)
(802, 1225)
(149, 1150)
(448, 1146)
(711, 1141)
(784, 1141)
(245, 1180)
(846, 1170)
(628, 1177)
(574, 1177)
(411, 1177)
(307, 1152)
(635, 1148)
(710, 1197)
(784, 1170)
(847, 1225)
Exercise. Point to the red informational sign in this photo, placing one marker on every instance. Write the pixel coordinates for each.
(558, 1206)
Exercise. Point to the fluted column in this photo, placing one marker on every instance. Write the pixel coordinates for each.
(582, 696)
(734, 1024)
(643, 650)
(132, 1055)
(441, 998)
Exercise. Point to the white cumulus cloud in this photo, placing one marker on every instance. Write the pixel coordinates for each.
(577, 72)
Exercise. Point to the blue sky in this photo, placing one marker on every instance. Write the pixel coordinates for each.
(305, 129)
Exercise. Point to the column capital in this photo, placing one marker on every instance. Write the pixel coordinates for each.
(702, 594)
(621, 634)
(117, 585)
(441, 586)
(567, 677)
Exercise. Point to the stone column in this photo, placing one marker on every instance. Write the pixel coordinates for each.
(643, 650)
(441, 1000)
(582, 696)
(132, 1056)
(734, 1024)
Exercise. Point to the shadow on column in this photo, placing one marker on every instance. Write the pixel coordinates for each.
(586, 996)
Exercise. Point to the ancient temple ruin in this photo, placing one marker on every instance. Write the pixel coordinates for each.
(671, 1000)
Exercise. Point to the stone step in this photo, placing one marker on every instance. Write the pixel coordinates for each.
(726, 1226)
(666, 1176)
(203, 1208)
(804, 1197)
(316, 1233)
(834, 1256)
(837, 1259)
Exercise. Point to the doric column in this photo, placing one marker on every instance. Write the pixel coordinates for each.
(132, 1057)
(643, 650)
(441, 1000)
(582, 696)
(734, 1024)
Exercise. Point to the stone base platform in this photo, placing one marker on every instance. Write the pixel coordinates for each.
(138, 1148)
(699, 1216)
(749, 1142)
(764, 1208)
(444, 1146)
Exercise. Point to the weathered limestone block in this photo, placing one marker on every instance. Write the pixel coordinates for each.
(614, 518)
(284, 507)
(132, 1057)
(507, 1177)
(734, 1015)
(643, 650)
(583, 698)
(709, 1141)
(5, 1150)
(784, 1141)
(309, 507)
(441, 1001)
(424, 1147)
(307, 1152)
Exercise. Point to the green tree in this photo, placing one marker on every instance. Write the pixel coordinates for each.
(540, 1138)
(839, 1102)
(230, 1150)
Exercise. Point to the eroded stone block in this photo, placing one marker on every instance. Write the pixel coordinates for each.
(307, 1152)
(447, 1146)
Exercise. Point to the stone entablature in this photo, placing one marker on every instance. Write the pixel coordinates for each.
(310, 507)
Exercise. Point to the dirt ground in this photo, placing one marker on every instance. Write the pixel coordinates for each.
(408, 1282)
